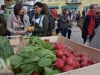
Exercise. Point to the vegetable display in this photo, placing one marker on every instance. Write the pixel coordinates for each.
(41, 57)
(36, 59)
(5, 52)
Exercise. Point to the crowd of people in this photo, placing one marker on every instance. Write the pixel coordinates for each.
(43, 20)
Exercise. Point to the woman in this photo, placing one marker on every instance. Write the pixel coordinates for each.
(17, 22)
(64, 23)
(51, 22)
(40, 20)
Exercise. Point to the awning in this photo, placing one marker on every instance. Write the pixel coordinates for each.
(87, 7)
(69, 7)
(53, 7)
(10, 7)
(31, 7)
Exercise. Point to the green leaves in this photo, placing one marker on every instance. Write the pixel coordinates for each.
(43, 62)
(37, 57)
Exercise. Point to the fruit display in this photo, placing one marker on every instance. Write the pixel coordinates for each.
(42, 57)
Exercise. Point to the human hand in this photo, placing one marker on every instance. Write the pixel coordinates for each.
(88, 36)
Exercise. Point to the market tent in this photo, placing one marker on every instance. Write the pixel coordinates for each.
(11, 7)
(53, 7)
(87, 7)
(31, 7)
(69, 7)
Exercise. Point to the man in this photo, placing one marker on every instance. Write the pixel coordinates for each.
(89, 23)
(83, 13)
(6, 12)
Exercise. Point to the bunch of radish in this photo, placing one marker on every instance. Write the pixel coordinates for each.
(68, 59)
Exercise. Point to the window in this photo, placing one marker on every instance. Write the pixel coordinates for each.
(74, 1)
(49, 0)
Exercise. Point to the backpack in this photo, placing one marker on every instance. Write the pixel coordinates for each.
(80, 23)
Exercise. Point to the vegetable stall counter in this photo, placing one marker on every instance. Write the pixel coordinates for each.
(91, 53)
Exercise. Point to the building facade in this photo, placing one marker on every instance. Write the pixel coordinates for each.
(70, 4)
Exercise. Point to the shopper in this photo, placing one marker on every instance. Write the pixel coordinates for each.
(17, 22)
(40, 20)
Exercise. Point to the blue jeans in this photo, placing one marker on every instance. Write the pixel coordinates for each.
(64, 32)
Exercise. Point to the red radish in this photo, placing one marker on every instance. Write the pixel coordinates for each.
(36, 73)
(78, 59)
(59, 53)
(85, 59)
(46, 40)
(84, 64)
(63, 58)
(76, 54)
(59, 64)
(90, 61)
(77, 64)
(71, 56)
(60, 46)
(69, 61)
(73, 51)
(67, 68)
(66, 53)
(82, 54)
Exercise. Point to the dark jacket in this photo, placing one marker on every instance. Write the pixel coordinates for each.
(64, 22)
(38, 31)
(32, 13)
(3, 30)
(51, 25)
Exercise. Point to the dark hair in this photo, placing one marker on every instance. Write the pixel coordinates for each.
(40, 5)
(64, 11)
(3, 7)
(17, 8)
(92, 6)
(46, 9)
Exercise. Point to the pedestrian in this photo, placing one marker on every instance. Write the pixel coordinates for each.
(31, 14)
(51, 21)
(39, 21)
(95, 42)
(3, 30)
(64, 23)
(78, 16)
(26, 15)
(54, 14)
(89, 24)
(70, 14)
(83, 13)
(58, 29)
(17, 22)
(6, 12)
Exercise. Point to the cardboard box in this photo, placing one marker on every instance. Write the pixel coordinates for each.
(15, 42)
(91, 52)
(6, 72)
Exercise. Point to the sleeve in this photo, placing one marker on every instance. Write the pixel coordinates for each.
(86, 23)
(45, 25)
(9, 26)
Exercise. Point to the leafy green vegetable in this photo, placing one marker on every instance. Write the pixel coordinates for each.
(43, 62)
(16, 60)
(37, 57)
